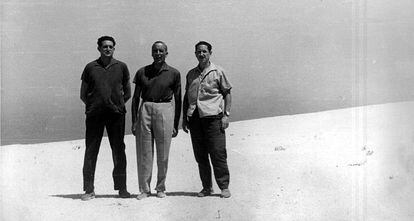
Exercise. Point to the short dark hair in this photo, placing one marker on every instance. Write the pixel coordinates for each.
(209, 47)
(105, 38)
(160, 42)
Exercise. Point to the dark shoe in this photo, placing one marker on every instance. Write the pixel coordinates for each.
(88, 196)
(225, 193)
(124, 194)
(161, 194)
(143, 196)
(205, 192)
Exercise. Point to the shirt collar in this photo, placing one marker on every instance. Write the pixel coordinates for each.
(164, 67)
(211, 67)
(112, 62)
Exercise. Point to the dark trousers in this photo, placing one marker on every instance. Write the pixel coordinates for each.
(209, 140)
(115, 128)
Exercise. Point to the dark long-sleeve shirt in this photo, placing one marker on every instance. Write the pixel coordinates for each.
(108, 88)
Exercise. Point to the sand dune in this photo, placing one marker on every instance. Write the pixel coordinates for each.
(348, 164)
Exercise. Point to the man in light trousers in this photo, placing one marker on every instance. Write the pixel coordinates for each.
(156, 120)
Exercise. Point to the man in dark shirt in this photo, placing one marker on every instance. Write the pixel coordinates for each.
(105, 89)
(157, 118)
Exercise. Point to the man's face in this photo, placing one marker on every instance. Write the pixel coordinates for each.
(107, 49)
(202, 53)
(159, 53)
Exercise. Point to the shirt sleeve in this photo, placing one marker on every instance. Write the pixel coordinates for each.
(187, 77)
(126, 75)
(177, 85)
(84, 76)
(137, 77)
(224, 83)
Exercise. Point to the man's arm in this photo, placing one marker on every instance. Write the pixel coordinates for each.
(84, 92)
(177, 99)
(126, 87)
(227, 108)
(134, 107)
(227, 102)
(185, 108)
(127, 92)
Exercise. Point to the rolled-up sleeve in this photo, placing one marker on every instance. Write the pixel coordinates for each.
(224, 83)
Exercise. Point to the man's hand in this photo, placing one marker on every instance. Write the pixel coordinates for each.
(185, 125)
(224, 122)
(134, 128)
(175, 132)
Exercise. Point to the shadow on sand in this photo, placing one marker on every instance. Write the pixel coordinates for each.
(78, 196)
(192, 194)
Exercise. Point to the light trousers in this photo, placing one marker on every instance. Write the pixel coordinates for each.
(155, 124)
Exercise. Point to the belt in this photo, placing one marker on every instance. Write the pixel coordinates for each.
(157, 100)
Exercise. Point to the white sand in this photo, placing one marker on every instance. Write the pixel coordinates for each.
(350, 164)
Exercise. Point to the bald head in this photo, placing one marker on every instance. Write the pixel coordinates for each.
(159, 52)
(160, 42)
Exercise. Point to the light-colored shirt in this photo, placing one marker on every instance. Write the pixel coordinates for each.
(205, 90)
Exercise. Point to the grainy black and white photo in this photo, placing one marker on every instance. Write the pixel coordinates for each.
(207, 110)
